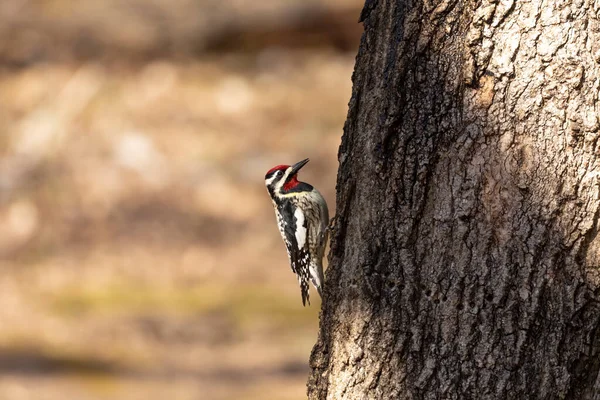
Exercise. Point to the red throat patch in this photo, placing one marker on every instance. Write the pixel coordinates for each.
(292, 183)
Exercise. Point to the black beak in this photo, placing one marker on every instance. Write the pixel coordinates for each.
(296, 167)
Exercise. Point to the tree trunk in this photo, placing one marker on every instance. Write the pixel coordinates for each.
(465, 259)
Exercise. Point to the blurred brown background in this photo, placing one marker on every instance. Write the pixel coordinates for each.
(139, 254)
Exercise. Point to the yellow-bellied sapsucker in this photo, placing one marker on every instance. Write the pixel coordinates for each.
(303, 218)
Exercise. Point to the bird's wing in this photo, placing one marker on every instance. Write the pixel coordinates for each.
(296, 240)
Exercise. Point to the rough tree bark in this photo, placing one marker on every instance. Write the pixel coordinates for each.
(465, 257)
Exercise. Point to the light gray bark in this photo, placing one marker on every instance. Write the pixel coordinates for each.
(465, 258)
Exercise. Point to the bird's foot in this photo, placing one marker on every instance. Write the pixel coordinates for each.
(331, 225)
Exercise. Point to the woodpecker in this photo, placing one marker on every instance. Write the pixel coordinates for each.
(303, 218)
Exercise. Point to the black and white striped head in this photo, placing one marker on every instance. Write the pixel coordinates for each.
(283, 179)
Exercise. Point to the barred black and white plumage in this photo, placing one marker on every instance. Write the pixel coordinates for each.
(302, 218)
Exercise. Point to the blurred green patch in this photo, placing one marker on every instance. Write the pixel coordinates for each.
(246, 306)
(254, 302)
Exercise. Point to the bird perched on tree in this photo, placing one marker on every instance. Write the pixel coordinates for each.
(303, 218)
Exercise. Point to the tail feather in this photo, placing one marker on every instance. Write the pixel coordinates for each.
(317, 286)
(304, 291)
(316, 277)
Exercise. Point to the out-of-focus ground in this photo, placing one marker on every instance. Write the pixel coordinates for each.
(139, 254)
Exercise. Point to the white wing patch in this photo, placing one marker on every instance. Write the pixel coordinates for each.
(300, 228)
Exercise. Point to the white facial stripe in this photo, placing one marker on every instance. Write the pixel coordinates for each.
(283, 179)
(300, 228)
(270, 180)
